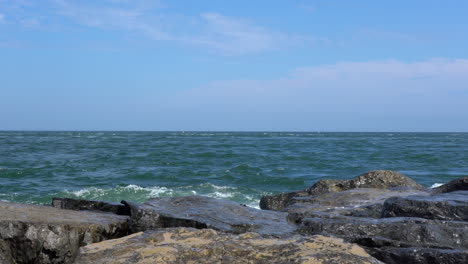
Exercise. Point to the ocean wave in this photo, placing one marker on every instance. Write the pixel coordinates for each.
(138, 193)
(435, 185)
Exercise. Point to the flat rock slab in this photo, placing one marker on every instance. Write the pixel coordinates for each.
(90, 205)
(362, 202)
(401, 231)
(43, 234)
(446, 206)
(188, 245)
(204, 212)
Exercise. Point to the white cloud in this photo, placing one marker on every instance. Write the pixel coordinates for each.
(213, 31)
(437, 86)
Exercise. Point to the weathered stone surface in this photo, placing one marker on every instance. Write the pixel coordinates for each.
(380, 179)
(415, 232)
(187, 245)
(204, 212)
(460, 184)
(359, 202)
(420, 255)
(43, 234)
(78, 204)
(446, 206)
(5, 253)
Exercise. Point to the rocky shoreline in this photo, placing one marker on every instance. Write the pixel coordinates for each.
(377, 217)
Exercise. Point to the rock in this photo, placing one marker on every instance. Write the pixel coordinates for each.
(446, 206)
(361, 202)
(421, 255)
(187, 245)
(43, 234)
(416, 232)
(379, 179)
(386, 239)
(77, 204)
(459, 184)
(204, 212)
(5, 253)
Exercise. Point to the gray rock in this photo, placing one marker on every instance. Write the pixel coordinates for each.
(359, 202)
(414, 232)
(78, 204)
(204, 212)
(460, 184)
(446, 206)
(420, 255)
(379, 179)
(43, 234)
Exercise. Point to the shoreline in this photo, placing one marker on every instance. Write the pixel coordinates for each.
(383, 216)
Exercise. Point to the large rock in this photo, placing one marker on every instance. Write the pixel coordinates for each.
(359, 202)
(187, 245)
(387, 238)
(204, 212)
(379, 179)
(446, 206)
(80, 205)
(460, 184)
(43, 234)
(420, 255)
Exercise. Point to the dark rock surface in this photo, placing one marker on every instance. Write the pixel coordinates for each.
(379, 179)
(420, 255)
(445, 206)
(78, 204)
(204, 212)
(359, 202)
(460, 184)
(187, 245)
(402, 231)
(43, 234)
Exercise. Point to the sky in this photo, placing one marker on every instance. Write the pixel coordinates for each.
(216, 65)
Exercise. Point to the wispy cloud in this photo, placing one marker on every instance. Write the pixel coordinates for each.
(152, 20)
(344, 86)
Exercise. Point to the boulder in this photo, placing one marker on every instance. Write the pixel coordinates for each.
(359, 202)
(404, 231)
(204, 212)
(43, 234)
(460, 184)
(78, 204)
(420, 255)
(445, 206)
(187, 245)
(379, 179)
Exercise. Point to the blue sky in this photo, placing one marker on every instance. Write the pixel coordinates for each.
(305, 65)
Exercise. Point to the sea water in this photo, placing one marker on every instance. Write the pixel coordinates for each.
(239, 166)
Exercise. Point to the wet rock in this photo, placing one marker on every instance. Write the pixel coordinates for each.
(78, 204)
(187, 245)
(446, 206)
(379, 179)
(460, 184)
(43, 234)
(204, 212)
(415, 232)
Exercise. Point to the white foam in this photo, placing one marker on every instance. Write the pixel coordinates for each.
(435, 185)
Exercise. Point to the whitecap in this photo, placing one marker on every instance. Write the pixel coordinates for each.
(435, 185)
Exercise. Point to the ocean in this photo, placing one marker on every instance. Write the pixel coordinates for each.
(239, 166)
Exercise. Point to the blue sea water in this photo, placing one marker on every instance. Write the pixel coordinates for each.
(240, 166)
